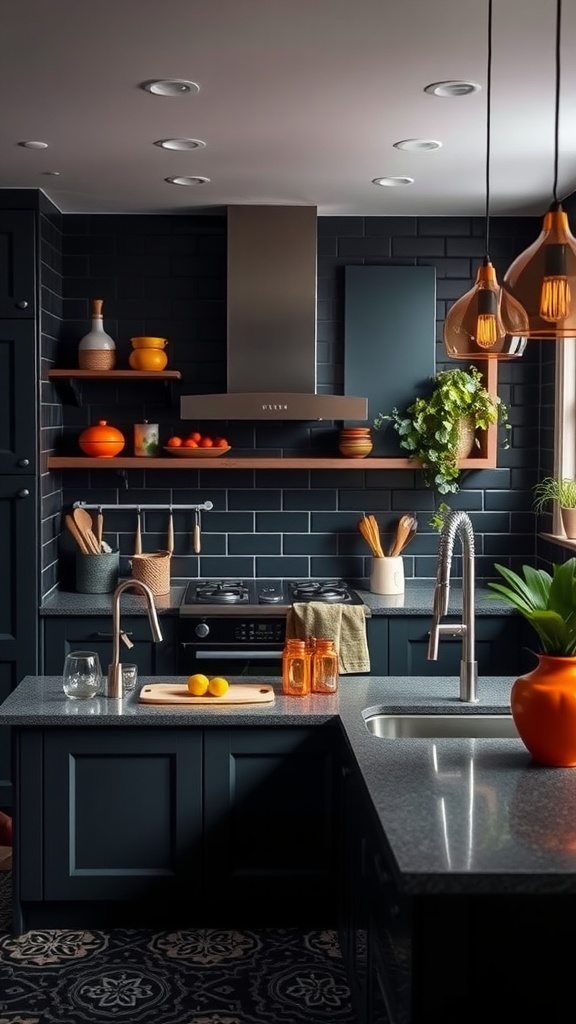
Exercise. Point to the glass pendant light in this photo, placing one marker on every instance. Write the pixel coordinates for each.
(543, 277)
(474, 327)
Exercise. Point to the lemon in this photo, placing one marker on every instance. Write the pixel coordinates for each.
(198, 684)
(218, 686)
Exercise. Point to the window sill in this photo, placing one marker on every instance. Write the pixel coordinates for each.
(561, 541)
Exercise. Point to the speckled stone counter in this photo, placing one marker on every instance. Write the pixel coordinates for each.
(417, 600)
(459, 815)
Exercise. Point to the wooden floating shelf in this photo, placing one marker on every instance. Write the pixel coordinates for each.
(250, 462)
(114, 374)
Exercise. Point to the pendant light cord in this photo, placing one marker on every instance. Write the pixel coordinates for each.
(488, 112)
(557, 110)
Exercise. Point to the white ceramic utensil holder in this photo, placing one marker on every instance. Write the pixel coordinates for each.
(387, 575)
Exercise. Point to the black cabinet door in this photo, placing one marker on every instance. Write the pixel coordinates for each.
(17, 263)
(499, 647)
(18, 598)
(270, 821)
(377, 635)
(122, 815)
(62, 635)
(18, 397)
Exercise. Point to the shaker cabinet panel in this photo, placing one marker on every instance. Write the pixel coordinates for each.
(62, 635)
(270, 820)
(123, 814)
(499, 647)
(18, 397)
(17, 263)
(18, 598)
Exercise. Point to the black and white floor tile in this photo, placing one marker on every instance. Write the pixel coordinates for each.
(198, 976)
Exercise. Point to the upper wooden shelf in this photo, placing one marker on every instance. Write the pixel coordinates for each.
(250, 462)
(114, 374)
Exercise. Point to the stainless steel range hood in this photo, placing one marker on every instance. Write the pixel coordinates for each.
(271, 304)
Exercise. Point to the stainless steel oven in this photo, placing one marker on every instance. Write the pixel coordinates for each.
(239, 626)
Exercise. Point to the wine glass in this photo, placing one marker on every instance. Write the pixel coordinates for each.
(82, 675)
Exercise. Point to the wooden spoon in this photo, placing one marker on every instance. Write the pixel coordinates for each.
(83, 521)
(99, 528)
(196, 534)
(170, 545)
(138, 540)
(402, 534)
(71, 525)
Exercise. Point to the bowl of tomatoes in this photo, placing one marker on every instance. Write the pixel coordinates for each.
(196, 446)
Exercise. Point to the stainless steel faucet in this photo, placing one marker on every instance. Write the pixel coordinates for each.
(456, 523)
(115, 685)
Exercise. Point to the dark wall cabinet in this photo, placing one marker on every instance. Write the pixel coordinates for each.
(19, 540)
(201, 827)
(17, 264)
(62, 635)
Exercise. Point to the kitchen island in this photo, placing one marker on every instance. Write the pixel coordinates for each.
(465, 847)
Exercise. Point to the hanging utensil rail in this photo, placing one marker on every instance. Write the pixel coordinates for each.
(205, 506)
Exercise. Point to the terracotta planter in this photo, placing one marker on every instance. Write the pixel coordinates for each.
(543, 704)
(569, 522)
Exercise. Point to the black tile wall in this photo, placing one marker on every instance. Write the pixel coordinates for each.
(167, 276)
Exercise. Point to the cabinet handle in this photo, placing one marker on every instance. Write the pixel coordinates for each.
(22, 304)
(23, 462)
(108, 635)
(24, 493)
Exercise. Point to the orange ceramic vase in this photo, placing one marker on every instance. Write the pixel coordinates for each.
(543, 704)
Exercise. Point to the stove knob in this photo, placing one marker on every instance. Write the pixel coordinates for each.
(202, 630)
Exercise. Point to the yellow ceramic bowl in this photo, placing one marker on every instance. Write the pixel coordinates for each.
(149, 342)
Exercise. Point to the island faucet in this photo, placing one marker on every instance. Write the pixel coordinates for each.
(115, 684)
(456, 523)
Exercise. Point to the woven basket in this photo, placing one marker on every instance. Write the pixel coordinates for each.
(154, 570)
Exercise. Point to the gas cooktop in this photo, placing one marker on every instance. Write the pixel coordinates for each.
(263, 597)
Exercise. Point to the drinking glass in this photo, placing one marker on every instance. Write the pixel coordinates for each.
(82, 675)
(129, 677)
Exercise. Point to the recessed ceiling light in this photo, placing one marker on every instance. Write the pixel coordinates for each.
(392, 182)
(52, 174)
(454, 88)
(171, 87)
(181, 145)
(187, 179)
(417, 145)
(34, 145)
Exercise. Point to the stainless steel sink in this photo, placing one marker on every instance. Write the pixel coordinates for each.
(406, 726)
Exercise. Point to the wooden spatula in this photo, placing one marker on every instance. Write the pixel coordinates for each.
(83, 521)
(138, 539)
(71, 525)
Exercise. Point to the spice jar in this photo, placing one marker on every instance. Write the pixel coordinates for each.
(325, 667)
(295, 669)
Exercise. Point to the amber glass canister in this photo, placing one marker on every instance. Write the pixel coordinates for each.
(325, 669)
(295, 669)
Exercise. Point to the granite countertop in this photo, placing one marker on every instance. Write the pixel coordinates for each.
(417, 600)
(458, 815)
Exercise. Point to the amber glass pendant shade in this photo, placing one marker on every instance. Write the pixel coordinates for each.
(543, 280)
(474, 326)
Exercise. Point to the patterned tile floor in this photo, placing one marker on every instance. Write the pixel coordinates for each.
(200, 976)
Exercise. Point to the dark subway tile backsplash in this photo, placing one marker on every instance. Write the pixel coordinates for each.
(167, 276)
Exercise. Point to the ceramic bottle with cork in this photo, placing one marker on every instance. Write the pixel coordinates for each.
(97, 350)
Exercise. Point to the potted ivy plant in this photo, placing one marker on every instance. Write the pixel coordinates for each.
(563, 491)
(434, 426)
(543, 702)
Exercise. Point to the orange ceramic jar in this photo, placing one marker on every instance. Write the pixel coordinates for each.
(148, 359)
(102, 441)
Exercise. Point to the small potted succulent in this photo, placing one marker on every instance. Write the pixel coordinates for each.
(563, 491)
(441, 429)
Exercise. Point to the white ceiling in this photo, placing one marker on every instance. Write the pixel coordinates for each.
(300, 102)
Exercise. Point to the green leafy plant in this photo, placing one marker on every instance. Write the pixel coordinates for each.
(551, 489)
(547, 602)
(431, 427)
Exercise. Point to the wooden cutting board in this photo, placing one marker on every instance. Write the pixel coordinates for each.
(177, 693)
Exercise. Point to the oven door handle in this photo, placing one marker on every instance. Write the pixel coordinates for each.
(204, 654)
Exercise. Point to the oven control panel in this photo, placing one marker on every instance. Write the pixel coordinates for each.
(231, 630)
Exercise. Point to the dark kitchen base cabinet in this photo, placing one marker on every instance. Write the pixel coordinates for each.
(165, 827)
(62, 635)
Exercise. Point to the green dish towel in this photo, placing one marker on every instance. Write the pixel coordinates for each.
(344, 624)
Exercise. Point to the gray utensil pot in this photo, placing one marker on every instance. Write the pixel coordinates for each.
(97, 573)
